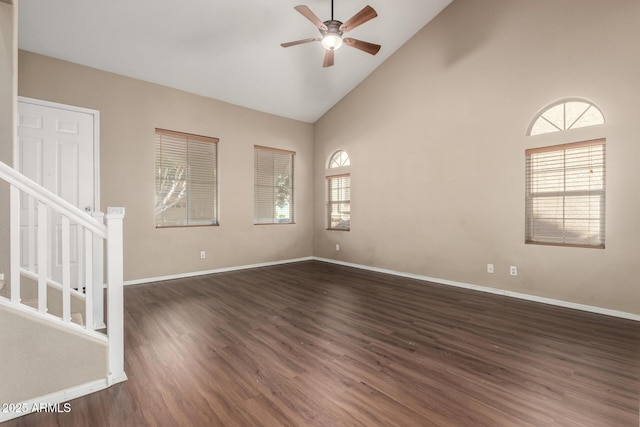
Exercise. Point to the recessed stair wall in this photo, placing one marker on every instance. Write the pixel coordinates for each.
(39, 358)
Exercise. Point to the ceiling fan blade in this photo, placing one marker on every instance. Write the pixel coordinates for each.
(313, 39)
(366, 14)
(328, 58)
(370, 48)
(307, 13)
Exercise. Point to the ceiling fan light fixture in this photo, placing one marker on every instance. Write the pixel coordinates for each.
(332, 41)
(331, 32)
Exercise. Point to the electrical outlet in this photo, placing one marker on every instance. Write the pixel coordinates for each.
(337, 247)
(203, 254)
(513, 270)
(1, 276)
(489, 268)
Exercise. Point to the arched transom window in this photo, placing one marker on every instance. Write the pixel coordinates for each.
(339, 159)
(565, 115)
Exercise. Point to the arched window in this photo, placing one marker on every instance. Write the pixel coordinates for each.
(338, 192)
(564, 115)
(565, 184)
(339, 159)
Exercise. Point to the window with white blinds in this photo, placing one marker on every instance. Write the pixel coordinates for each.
(273, 186)
(565, 194)
(186, 179)
(339, 202)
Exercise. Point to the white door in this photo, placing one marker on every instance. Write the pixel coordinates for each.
(57, 148)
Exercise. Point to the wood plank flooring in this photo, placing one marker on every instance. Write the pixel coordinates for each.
(315, 344)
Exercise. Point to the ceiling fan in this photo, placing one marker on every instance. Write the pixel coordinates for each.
(332, 31)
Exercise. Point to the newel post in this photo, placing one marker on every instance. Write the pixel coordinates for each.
(115, 297)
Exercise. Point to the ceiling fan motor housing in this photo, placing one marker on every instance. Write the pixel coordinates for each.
(332, 36)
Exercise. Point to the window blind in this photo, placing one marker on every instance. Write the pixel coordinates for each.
(273, 186)
(565, 194)
(339, 202)
(186, 179)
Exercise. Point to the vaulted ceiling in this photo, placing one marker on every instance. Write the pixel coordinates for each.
(224, 49)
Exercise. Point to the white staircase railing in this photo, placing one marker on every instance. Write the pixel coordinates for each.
(57, 248)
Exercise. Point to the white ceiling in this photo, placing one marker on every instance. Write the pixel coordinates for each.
(223, 49)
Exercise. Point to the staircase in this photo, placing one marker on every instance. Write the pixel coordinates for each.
(65, 274)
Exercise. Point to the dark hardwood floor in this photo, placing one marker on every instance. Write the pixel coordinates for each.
(314, 344)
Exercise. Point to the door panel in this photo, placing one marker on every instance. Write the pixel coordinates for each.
(56, 149)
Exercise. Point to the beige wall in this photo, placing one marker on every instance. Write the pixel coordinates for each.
(8, 34)
(44, 358)
(8, 90)
(437, 140)
(436, 137)
(130, 110)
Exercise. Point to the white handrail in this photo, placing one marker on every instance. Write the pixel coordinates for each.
(46, 215)
(30, 187)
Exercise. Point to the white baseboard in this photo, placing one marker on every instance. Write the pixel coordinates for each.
(551, 301)
(217, 270)
(50, 400)
(111, 380)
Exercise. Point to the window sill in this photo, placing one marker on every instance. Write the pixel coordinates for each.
(274, 223)
(569, 245)
(158, 227)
